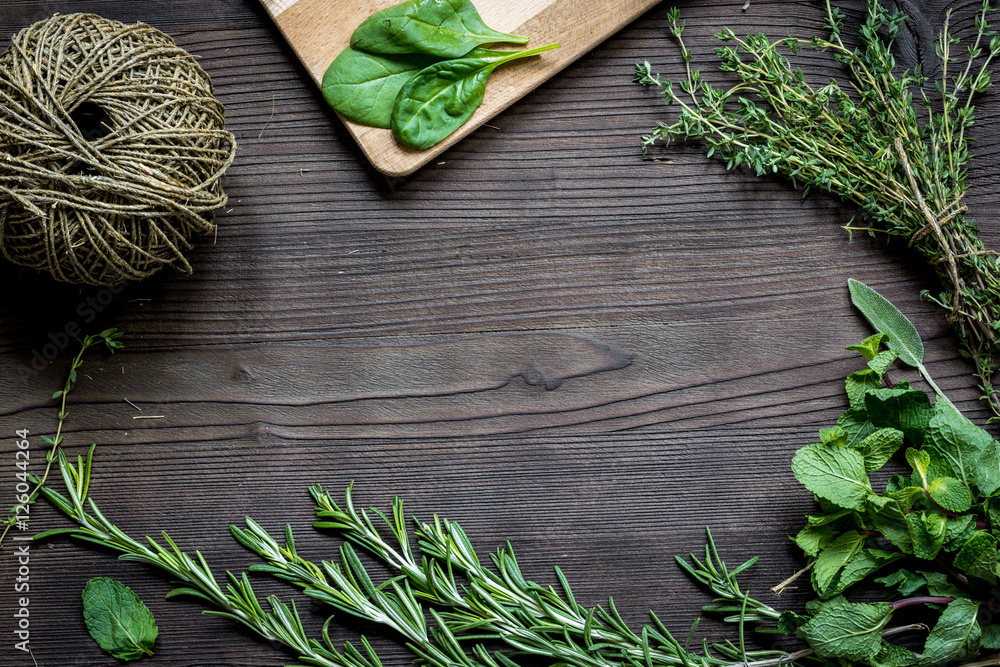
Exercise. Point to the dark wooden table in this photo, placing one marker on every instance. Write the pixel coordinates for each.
(542, 336)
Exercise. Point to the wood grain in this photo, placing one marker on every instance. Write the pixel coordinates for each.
(317, 30)
(540, 334)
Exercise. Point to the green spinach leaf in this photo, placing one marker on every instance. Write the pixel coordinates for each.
(439, 99)
(444, 28)
(363, 87)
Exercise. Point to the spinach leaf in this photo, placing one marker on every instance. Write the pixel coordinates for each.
(117, 619)
(439, 99)
(445, 28)
(363, 86)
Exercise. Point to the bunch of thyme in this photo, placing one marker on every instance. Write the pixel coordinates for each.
(863, 141)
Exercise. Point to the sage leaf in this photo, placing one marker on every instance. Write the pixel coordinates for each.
(440, 98)
(887, 319)
(363, 87)
(842, 629)
(834, 473)
(955, 636)
(117, 619)
(444, 28)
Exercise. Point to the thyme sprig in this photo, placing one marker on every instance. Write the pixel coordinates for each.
(863, 141)
(111, 338)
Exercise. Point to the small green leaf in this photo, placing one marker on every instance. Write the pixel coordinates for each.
(888, 319)
(117, 619)
(908, 410)
(938, 585)
(842, 629)
(880, 364)
(857, 424)
(959, 531)
(978, 557)
(955, 636)
(858, 383)
(919, 461)
(833, 436)
(812, 539)
(363, 87)
(927, 532)
(441, 97)
(887, 516)
(832, 559)
(868, 348)
(967, 451)
(906, 583)
(990, 637)
(863, 564)
(950, 493)
(894, 656)
(444, 28)
(879, 447)
(834, 473)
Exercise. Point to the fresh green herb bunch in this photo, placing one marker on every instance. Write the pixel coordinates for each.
(863, 140)
(932, 532)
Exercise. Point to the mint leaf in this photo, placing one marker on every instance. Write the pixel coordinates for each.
(880, 364)
(955, 636)
(842, 629)
(894, 656)
(919, 461)
(833, 436)
(927, 532)
(887, 517)
(950, 493)
(868, 348)
(864, 563)
(906, 583)
(888, 319)
(858, 383)
(990, 637)
(959, 530)
(832, 472)
(978, 557)
(879, 447)
(832, 559)
(939, 586)
(857, 424)
(967, 452)
(117, 619)
(812, 539)
(908, 410)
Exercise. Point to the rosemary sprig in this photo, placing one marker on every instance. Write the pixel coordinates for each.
(194, 577)
(112, 341)
(862, 141)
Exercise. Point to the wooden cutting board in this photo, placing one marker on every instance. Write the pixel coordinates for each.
(318, 30)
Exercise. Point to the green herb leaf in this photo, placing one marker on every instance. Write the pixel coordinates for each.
(906, 583)
(939, 585)
(858, 383)
(879, 447)
(894, 656)
(842, 629)
(990, 637)
(927, 532)
(812, 539)
(363, 87)
(117, 619)
(967, 451)
(978, 557)
(888, 319)
(834, 473)
(863, 564)
(950, 493)
(445, 28)
(959, 531)
(908, 410)
(887, 516)
(832, 560)
(440, 98)
(955, 636)
(868, 348)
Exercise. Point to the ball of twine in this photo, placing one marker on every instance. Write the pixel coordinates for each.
(97, 209)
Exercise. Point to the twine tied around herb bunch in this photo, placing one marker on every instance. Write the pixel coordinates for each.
(119, 197)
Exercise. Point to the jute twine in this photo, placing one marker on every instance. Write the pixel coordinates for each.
(100, 210)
